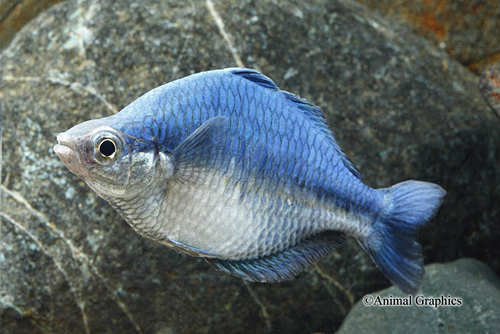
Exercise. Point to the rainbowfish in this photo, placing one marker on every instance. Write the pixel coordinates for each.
(226, 166)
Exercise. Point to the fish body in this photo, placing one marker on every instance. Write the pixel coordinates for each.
(225, 165)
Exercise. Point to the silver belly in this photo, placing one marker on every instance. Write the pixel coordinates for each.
(210, 215)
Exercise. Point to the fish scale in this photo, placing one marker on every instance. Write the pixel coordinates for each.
(225, 165)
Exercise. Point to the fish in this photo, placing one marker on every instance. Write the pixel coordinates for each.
(226, 166)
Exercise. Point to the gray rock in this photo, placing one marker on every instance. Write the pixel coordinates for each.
(467, 30)
(467, 280)
(489, 84)
(400, 108)
(14, 14)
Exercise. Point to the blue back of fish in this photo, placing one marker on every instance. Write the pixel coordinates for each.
(273, 134)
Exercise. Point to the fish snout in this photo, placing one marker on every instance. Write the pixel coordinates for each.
(66, 140)
(67, 151)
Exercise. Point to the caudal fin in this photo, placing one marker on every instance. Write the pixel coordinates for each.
(407, 206)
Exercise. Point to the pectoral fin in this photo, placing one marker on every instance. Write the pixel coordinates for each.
(201, 151)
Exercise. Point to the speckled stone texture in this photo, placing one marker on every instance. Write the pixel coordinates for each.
(14, 14)
(489, 84)
(466, 29)
(470, 280)
(400, 108)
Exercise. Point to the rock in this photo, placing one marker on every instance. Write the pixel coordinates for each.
(489, 84)
(400, 108)
(14, 14)
(466, 281)
(467, 30)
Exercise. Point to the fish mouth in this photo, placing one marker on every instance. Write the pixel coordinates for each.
(65, 146)
(64, 139)
(63, 150)
(67, 151)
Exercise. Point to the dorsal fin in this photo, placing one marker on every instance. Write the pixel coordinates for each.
(310, 110)
(283, 265)
(255, 76)
(316, 115)
(314, 112)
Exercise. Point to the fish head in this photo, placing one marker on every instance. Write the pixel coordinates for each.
(112, 163)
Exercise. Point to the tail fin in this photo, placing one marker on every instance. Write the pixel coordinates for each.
(407, 206)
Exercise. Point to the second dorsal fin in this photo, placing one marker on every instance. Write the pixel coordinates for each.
(310, 110)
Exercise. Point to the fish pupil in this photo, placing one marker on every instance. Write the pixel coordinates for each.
(107, 148)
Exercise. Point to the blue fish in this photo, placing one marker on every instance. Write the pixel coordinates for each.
(226, 166)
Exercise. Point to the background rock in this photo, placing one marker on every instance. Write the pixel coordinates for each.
(468, 279)
(466, 29)
(489, 84)
(400, 108)
(14, 14)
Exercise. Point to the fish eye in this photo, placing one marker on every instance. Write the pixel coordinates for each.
(107, 148)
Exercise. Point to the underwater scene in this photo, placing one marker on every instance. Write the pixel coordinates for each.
(215, 166)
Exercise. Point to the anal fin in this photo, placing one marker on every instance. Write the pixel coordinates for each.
(283, 265)
(187, 249)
